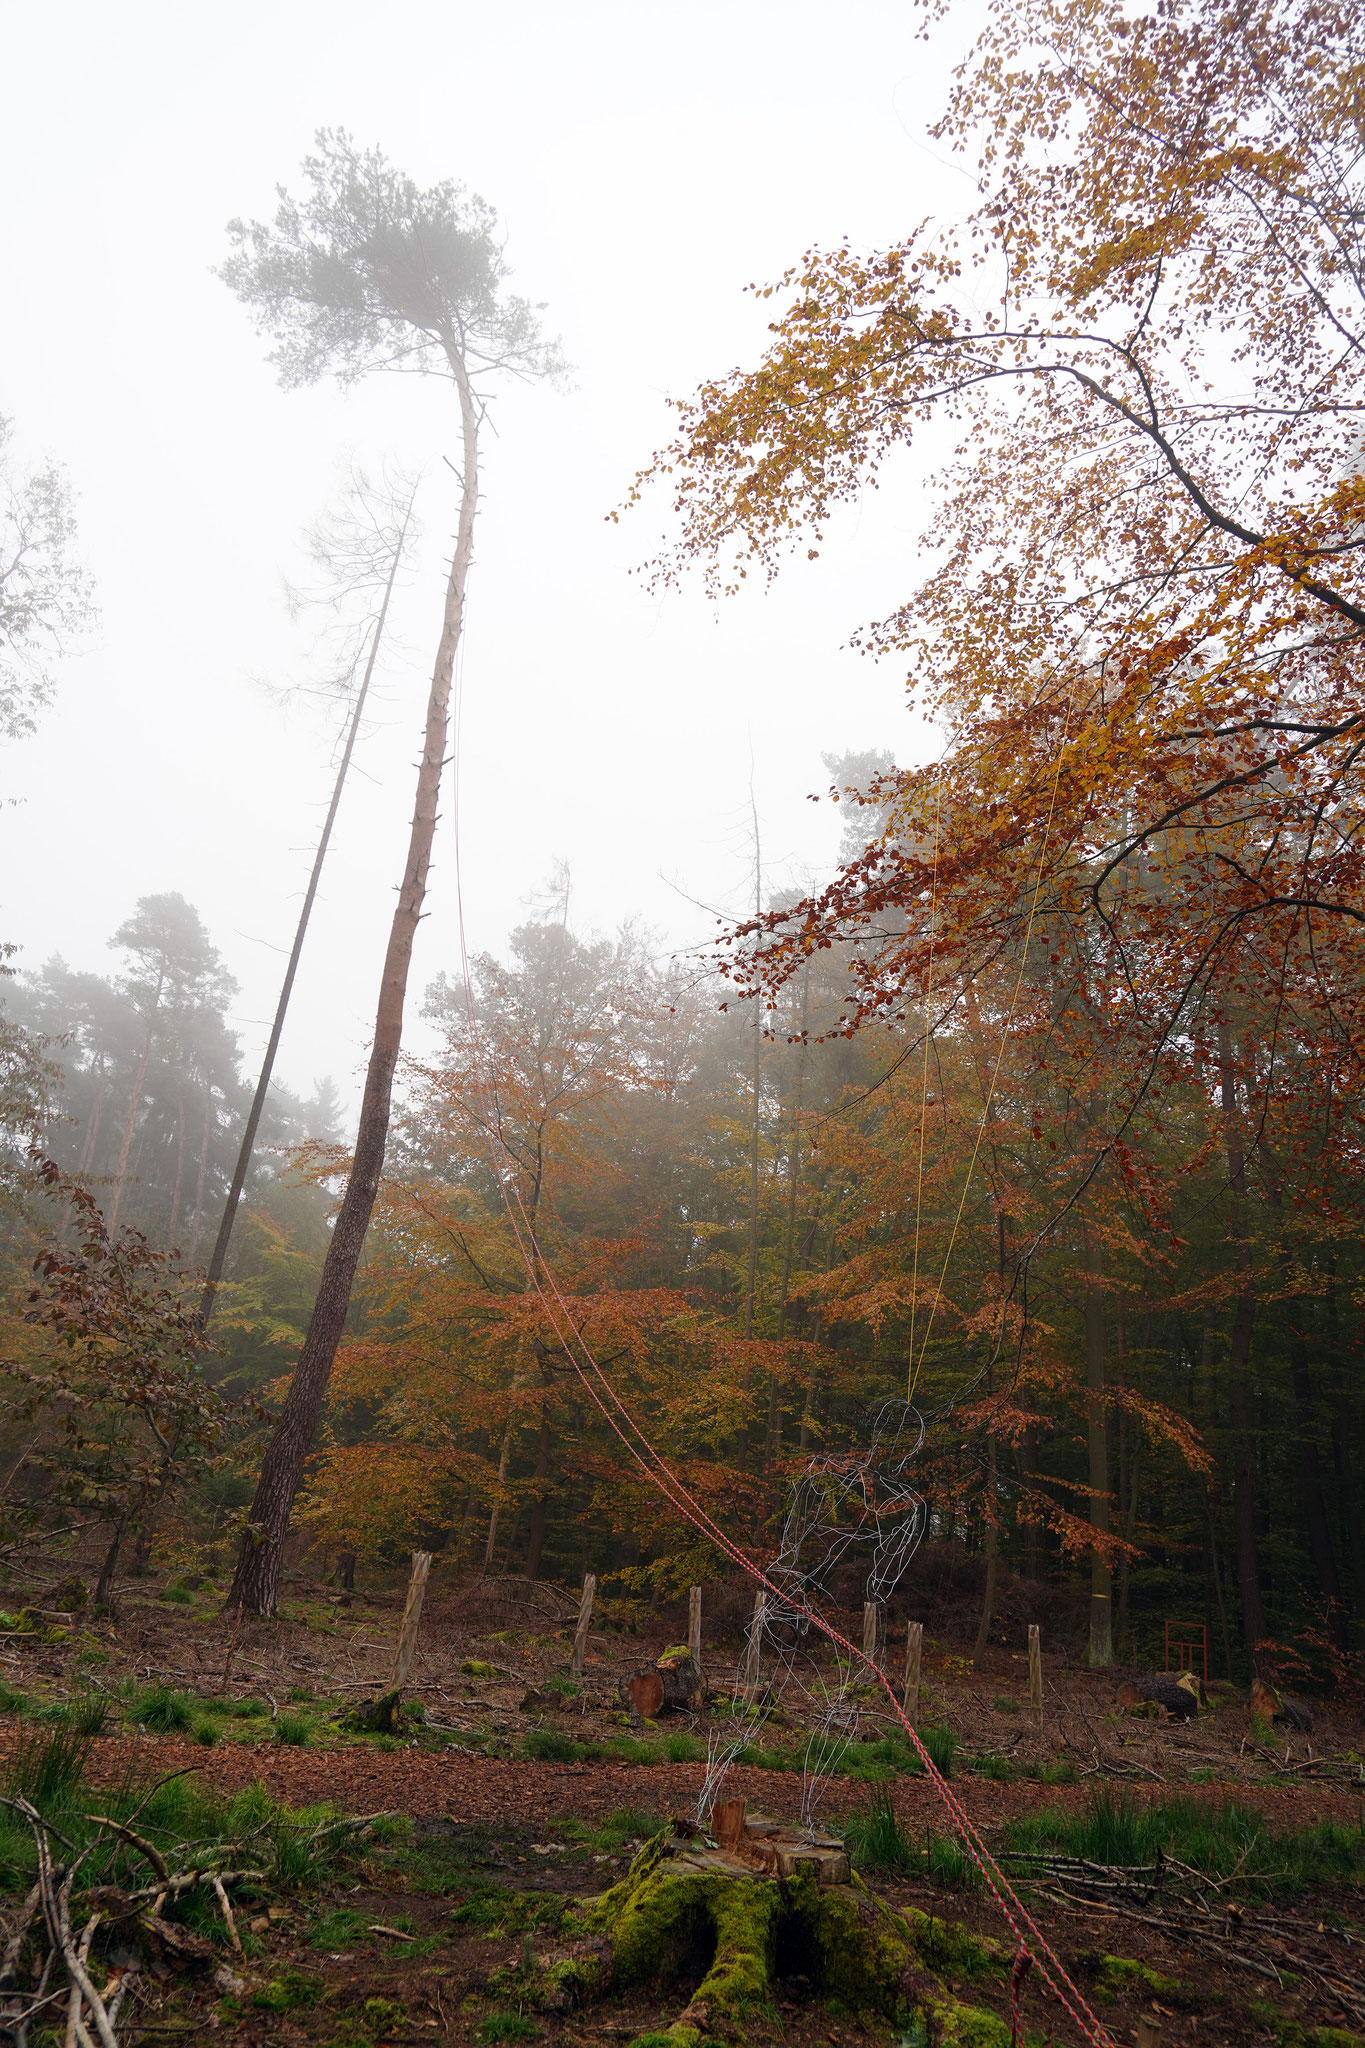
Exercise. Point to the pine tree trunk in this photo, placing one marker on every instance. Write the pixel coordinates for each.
(1239, 1355)
(256, 1583)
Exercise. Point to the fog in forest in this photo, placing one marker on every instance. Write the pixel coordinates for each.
(682, 846)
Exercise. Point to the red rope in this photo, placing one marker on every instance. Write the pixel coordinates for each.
(1033, 1945)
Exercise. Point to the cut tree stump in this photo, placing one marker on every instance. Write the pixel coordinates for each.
(721, 1929)
(671, 1686)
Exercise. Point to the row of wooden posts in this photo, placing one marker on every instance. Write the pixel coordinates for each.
(873, 1640)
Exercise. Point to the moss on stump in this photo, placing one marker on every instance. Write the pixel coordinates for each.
(689, 1914)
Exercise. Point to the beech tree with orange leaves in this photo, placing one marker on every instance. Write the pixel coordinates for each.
(1141, 635)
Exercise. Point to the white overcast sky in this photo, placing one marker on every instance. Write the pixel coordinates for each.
(648, 160)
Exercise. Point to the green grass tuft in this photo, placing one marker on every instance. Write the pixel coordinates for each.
(163, 1710)
(508, 2026)
(294, 1730)
(875, 1840)
(548, 1746)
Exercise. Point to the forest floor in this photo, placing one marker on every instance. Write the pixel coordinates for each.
(503, 1782)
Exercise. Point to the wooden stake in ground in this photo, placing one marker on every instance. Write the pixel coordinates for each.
(580, 1641)
(412, 1620)
(753, 1659)
(1035, 1674)
(914, 1644)
(694, 1625)
(870, 1629)
(1148, 2032)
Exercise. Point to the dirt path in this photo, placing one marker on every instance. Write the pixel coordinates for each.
(469, 1789)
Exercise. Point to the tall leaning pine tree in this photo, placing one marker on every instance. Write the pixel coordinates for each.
(368, 272)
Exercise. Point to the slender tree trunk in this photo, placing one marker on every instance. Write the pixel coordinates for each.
(179, 1169)
(1239, 1354)
(106, 1577)
(1310, 1472)
(86, 1159)
(204, 1136)
(126, 1145)
(1097, 1430)
(243, 1166)
(1028, 1467)
(1353, 1525)
(256, 1583)
(536, 1541)
(756, 1086)
(993, 1479)
(504, 1460)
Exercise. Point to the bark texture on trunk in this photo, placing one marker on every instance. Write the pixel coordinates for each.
(256, 1583)
(1239, 1355)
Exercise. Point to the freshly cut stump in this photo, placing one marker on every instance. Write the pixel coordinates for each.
(734, 1921)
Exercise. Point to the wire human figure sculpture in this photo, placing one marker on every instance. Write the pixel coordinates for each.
(861, 1500)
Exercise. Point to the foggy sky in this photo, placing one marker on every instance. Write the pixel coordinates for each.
(648, 161)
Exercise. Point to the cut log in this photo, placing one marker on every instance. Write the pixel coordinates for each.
(1280, 1708)
(1178, 1694)
(671, 1686)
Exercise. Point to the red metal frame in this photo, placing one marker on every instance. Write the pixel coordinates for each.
(1186, 1640)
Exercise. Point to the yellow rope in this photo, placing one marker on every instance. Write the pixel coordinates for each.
(995, 1076)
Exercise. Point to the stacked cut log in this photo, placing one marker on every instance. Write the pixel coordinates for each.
(671, 1686)
(1178, 1693)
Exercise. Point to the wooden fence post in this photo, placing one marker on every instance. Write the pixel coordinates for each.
(412, 1620)
(753, 1670)
(914, 1644)
(1035, 1674)
(580, 1641)
(870, 1630)
(1148, 2032)
(694, 1625)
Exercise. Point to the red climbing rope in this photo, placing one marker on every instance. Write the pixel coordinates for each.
(1033, 1946)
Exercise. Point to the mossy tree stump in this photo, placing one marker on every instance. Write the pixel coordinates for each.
(691, 1914)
